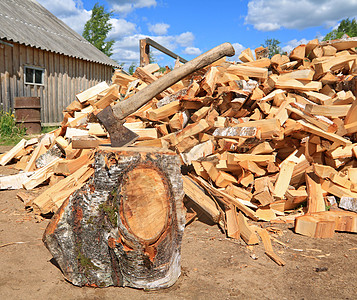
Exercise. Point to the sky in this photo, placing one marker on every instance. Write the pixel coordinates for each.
(190, 28)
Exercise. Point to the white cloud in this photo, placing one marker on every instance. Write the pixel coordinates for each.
(126, 49)
(293, 44)
(192, 51)
(69, 11)
(126, 6)
(238, 48)
(159, 28)
(125, 33)
(121, 28)
(185, 39)
(268, 15)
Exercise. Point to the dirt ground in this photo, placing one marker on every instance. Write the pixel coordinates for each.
(213, 267)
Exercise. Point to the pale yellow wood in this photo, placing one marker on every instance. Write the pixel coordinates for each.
(224, 179)
(209, 82)
(189, 130)
(295, 198)
(264, 235)
(40, 175)
(332, 111)
(198, 196)
(61, 142)
(283, 180)
(6, 158)
(164, 111)
(91, 92)
(337, 190)
(232, 223)
(305, 74)
(330, 136)
(260, 63)
(246, 231)
(52, 198)
(279, 59)
(323, 171)
(237, 157)
(254, 72)
(40, 149)
(200, 114)
(318, 98)
(333, 63)
(262, 148)
(298, 85)
(315, 202)
(198, 151)
(352, 175)
(298, 53)
(246, 55)
(239, 192)
(315, 226)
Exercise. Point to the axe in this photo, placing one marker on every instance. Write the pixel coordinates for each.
(113, 118)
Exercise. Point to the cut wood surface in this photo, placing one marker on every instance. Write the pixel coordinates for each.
(324, 224)
(93, 91)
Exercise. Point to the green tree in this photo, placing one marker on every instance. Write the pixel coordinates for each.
(132, 68)
(346, 26)
(273, 47)
(97, 28)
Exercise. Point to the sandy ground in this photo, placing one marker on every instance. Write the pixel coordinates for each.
(213, 267)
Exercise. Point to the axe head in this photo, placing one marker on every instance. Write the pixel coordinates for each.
(119, 135)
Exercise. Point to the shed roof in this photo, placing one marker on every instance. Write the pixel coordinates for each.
(29, 23)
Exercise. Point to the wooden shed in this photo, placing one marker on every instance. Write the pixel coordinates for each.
(40, 56)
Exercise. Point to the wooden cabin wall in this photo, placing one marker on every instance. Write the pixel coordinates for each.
(64, 77)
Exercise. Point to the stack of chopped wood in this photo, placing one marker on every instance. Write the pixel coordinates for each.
(259, 138)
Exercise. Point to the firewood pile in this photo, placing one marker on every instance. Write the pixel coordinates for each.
(257, 140)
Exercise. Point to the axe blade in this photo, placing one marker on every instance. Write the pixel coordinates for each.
(119, 135)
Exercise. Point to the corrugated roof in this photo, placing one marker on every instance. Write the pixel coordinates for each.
(27, 22)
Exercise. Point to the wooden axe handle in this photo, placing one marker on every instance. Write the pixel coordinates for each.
(132, 104)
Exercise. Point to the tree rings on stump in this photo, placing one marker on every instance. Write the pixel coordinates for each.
(124, 227)
(146, 206)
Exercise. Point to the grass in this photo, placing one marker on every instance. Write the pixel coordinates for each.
(10, 132)
(47, 129)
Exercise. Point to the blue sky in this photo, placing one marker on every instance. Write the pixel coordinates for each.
(190, 28)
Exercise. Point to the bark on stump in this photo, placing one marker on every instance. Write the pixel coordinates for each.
(124, 227)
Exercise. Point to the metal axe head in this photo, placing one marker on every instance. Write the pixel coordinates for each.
(119, 135)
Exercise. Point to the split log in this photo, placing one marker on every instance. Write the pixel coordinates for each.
(93, 91)
(199, 197)
(8, 156)
(123, 228)
(14, 182)
(324, 224)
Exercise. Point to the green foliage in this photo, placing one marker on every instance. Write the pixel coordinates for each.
(10, 133)
(97, 28)
(132, 68)
(346, 26)
(273, 47)
(47, 129)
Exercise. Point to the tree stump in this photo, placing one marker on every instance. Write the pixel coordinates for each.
(124, 227)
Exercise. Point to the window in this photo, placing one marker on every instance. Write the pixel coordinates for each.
(34, 75)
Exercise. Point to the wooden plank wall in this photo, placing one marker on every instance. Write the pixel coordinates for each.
(64, 77)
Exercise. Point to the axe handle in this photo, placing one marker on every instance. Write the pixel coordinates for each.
(132, 104)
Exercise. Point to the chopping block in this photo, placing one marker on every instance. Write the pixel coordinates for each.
(125, 226)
